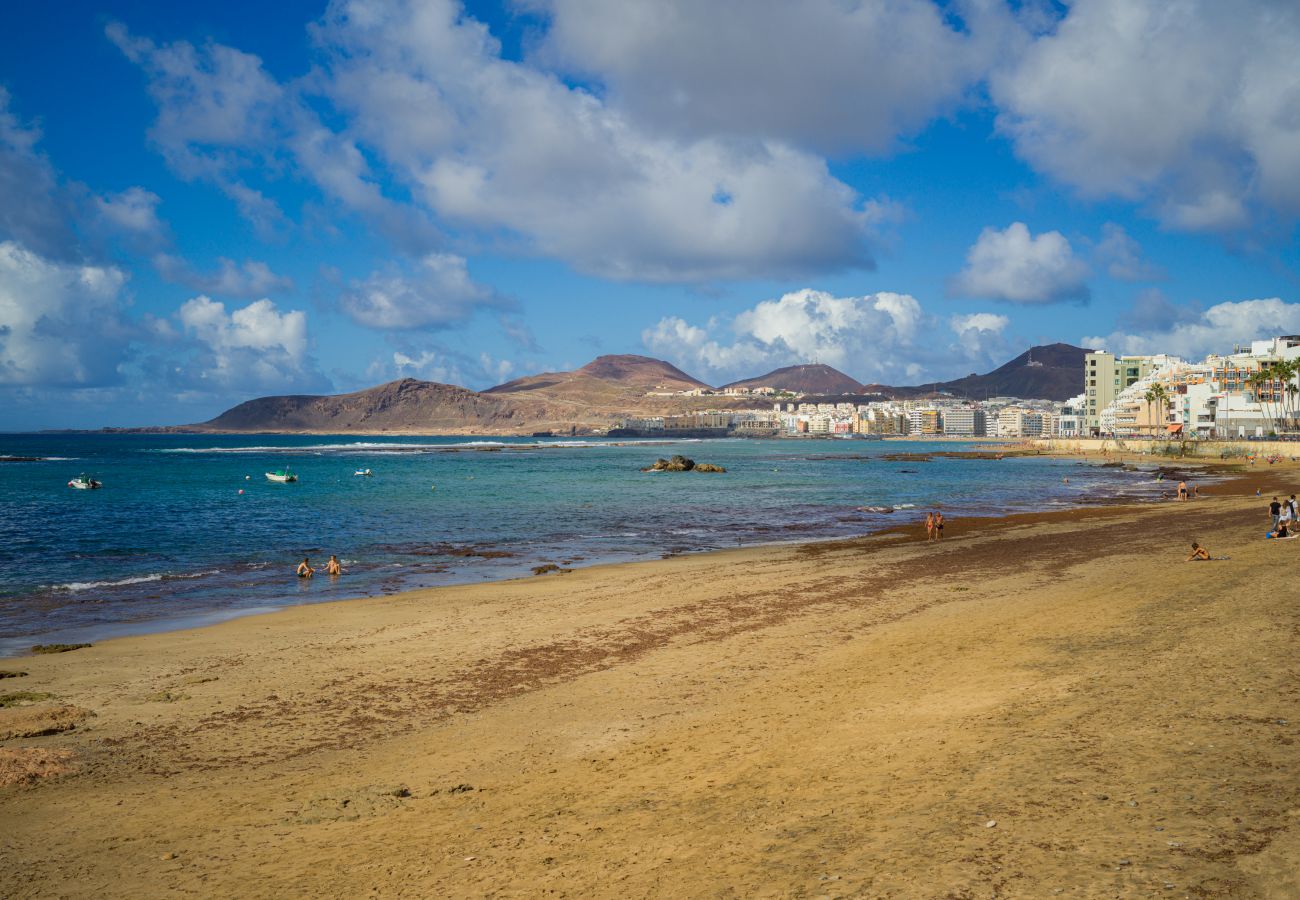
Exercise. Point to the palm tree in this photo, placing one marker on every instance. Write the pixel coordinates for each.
(1158, 396)
(1256, 380)
(1286, 370)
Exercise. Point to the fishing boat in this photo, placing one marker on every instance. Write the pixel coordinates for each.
(84, 482)
(283, 476)
(364, 472)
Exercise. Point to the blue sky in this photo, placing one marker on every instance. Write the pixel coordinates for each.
(202, 204)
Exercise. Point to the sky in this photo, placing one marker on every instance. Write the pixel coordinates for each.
(205, 203)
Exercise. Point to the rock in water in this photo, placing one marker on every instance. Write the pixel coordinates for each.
(709, 467)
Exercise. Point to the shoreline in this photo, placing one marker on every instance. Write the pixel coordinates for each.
(1052, 700)
(15, 647)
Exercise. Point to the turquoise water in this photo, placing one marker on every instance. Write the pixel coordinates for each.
(169, 540)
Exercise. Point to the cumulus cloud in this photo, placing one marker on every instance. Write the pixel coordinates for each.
(61, 324)
(885, 337)
(215, 103)
(438, 293)
(981, 335)
(251, 278)
(133, 212)
(1015, 267)
(500, 148)
(748, 67)
(252, 347)
(502, 145)
(1190, 107)
(1216, 330)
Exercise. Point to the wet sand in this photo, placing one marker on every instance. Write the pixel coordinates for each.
(1040, 705)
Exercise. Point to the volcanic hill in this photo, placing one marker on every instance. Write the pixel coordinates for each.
(806, 379)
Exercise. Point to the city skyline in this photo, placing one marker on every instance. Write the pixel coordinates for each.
(201, 205)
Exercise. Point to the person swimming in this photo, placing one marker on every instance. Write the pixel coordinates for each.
(304, 568)
(332, 568)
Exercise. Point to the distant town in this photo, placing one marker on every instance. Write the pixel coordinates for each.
(1252, 392)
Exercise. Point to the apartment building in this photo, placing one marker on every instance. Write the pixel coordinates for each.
(964, 421)
(1106, 375)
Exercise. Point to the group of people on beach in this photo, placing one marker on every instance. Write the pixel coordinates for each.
(934, 526)
(1285, 515)
(332, 568)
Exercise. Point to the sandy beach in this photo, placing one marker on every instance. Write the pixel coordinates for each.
(1040, 705)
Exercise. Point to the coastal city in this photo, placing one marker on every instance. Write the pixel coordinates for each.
(650, 449)
(1251, 392)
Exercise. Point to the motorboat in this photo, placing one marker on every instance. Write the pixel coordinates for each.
(283, 476)
(85, 483)
(364, 472)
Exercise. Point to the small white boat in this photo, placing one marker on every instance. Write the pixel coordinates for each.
(85, 483)
(364, 472)
(283, 476)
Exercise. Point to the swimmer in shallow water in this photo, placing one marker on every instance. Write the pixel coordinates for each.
(304, 568)
(332, 568)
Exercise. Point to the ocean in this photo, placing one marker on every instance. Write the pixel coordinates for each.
(170, 541)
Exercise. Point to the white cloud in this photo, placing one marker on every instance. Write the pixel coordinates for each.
(499, 147)
(502, 145)
(134, 211)
(253, 347)
(439, 293)
(61, 324)
(1216, 330)
(251, 278)
(1193, 107)
(1122, 256)
(748, 68)
(1014, 266)
(214, 103)
(884, 337)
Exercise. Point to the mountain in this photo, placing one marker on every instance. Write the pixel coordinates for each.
(592, 397)
(619, 374)
(599, 394)
(402, 405)
(806, 379)
(1055, 373)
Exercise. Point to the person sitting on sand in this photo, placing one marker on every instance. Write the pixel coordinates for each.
(1282, 530)
(1198, 552)
(332, 568)
(304, 568)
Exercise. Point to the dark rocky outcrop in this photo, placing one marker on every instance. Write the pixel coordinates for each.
(681, 464)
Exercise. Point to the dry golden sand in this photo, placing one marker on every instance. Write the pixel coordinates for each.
(1038, 706)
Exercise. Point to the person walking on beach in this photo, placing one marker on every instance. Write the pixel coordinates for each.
(304, 568)
(1275, 510)
(1295, 511)
(929, 526)
(938, 526)
(332, 568)
(1182, 490)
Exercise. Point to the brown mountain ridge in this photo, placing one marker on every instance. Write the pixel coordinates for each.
(599, 394)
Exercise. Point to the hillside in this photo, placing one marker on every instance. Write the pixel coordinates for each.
(600, 393)
(805, 379)
(592, 397)
(1057, 374)
(402, 405)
